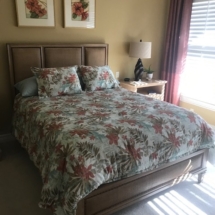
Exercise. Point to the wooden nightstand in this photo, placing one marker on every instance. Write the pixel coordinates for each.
(152, 88)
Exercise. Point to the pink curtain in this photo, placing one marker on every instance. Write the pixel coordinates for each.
(175, 49)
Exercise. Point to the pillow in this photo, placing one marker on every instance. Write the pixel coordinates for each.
(57, 81)
(98, 77)
(27, 87)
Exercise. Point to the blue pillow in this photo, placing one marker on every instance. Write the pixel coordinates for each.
(27, 87)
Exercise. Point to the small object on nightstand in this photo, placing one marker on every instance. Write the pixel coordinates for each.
(127, 79)
(138, 83)
(151, 92)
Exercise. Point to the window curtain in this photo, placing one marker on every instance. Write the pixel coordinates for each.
(175, 48)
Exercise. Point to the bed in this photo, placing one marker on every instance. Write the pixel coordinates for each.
(112, 108)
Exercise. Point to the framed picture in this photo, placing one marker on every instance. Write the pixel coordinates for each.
(79, 13)
(35, 13)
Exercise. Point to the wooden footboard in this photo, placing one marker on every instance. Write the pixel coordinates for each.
(114, 196)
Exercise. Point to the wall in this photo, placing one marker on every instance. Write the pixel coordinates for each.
(118, 22)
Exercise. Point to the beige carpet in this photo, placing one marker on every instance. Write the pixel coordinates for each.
(20, 183)
(20, 186)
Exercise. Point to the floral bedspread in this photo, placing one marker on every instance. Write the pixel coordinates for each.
(81, 141)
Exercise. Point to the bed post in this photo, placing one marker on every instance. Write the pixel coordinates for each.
(204, 166)
(201, 177)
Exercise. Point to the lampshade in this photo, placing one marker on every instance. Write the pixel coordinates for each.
(140, 49)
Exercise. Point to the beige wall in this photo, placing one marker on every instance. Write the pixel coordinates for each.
(117, 23)
(206, 114)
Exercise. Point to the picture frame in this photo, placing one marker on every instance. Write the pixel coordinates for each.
(39, 13)
(79, 13)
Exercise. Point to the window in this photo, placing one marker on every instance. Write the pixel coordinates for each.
(198, 78)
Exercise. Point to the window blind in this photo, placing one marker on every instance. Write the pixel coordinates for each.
(202, 29)
(198, 79)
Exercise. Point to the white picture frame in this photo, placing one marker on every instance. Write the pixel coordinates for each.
(38, 15)
(79, 13)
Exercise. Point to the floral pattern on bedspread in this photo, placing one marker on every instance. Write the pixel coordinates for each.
(81, 141)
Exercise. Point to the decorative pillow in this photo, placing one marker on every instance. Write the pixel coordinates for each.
(27, 87)
(57, 81)
(98, 77)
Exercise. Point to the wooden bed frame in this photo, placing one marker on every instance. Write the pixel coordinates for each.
(108, 198)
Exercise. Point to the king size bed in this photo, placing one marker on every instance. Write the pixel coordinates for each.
(105, 148)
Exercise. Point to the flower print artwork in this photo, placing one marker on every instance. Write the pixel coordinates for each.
(79, 13)
(80, 10)
(36, 9)
(35, 13)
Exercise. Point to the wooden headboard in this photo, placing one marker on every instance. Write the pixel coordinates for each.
(23, 56)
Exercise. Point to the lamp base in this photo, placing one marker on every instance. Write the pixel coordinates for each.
(139, 70)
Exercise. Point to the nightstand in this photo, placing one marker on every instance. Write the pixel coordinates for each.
(151, 88)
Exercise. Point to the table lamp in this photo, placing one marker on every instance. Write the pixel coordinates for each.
(139, 50)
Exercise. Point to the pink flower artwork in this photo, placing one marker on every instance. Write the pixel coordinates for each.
(80, 10)
(36, 9)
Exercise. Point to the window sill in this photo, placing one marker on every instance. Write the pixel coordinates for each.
(198, 103)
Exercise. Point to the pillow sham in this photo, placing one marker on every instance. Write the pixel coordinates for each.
(98, 77)
(57, 81)
(27, 87)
